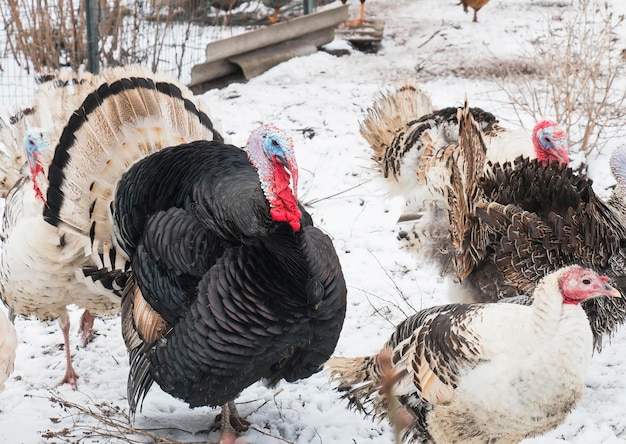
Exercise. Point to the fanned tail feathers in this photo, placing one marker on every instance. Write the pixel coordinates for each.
(131, 114)
(391, 114)
(369, 384)
(357, 379)
(463, 193)
(12, 159)
(63, 87)
(451, 174)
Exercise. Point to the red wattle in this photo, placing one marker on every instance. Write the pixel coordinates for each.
(34, 171)
(284, 205)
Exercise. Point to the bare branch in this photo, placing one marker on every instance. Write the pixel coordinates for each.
(574, 76)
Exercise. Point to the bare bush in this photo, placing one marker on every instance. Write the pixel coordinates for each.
(577, 66)
(45, 35)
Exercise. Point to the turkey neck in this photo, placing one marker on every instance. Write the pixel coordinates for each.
(552, 318)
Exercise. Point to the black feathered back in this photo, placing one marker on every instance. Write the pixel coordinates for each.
(243, 298)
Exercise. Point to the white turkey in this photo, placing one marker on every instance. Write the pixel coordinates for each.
(230, 282)
(52, 90)
(8, 344)
(40, 265)
(481, 373)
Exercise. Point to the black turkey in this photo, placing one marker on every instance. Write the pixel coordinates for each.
(230, 282)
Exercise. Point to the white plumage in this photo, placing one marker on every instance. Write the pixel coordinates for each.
(43, 268)
(8, 344)
(480, 373)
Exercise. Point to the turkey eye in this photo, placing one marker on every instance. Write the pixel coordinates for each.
(586, 281)
(275, 142)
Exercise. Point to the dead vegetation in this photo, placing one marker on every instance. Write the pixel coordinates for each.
(46, 35)
(573, 76)
(105, 422)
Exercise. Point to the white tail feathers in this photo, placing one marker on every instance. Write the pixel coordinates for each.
(390, 113)
(12, 157)
(128, 115)
(357, 378)
(56, 97)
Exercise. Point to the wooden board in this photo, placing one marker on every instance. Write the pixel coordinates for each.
(247, 55)
(370, 32)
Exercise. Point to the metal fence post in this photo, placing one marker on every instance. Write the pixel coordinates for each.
(92, 19)
(308, 6)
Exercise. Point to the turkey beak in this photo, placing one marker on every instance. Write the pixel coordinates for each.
(612, 291)
(560, 153)
(609, 290)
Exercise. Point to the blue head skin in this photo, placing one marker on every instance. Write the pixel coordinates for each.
(35, 142)
(271, 153)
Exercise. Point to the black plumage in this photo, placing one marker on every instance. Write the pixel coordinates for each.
(226, 280)
(245, 298)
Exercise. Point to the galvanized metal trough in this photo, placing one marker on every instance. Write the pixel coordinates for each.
(248, 55)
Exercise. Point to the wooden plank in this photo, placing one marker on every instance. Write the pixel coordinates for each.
(370, 32)
(257, 62)
(242, 67)
(273, 34)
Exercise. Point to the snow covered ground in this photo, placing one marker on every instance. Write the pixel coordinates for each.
(319, 100)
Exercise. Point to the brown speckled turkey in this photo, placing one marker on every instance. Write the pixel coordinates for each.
(503, 227)
(408, 140)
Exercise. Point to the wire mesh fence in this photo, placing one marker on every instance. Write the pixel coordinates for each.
(38, 36)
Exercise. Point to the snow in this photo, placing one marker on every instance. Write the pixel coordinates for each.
(319, 99)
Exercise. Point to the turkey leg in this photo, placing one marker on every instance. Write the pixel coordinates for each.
(231, 423)
(86, 327)
(70, 374)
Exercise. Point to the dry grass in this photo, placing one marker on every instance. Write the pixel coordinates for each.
(46, 35)
(574, 73)
(94, 421)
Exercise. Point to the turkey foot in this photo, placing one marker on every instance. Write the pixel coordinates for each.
(70, 374)
(86, 327)
(231, 423)
(361, 20)
(71, 377)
